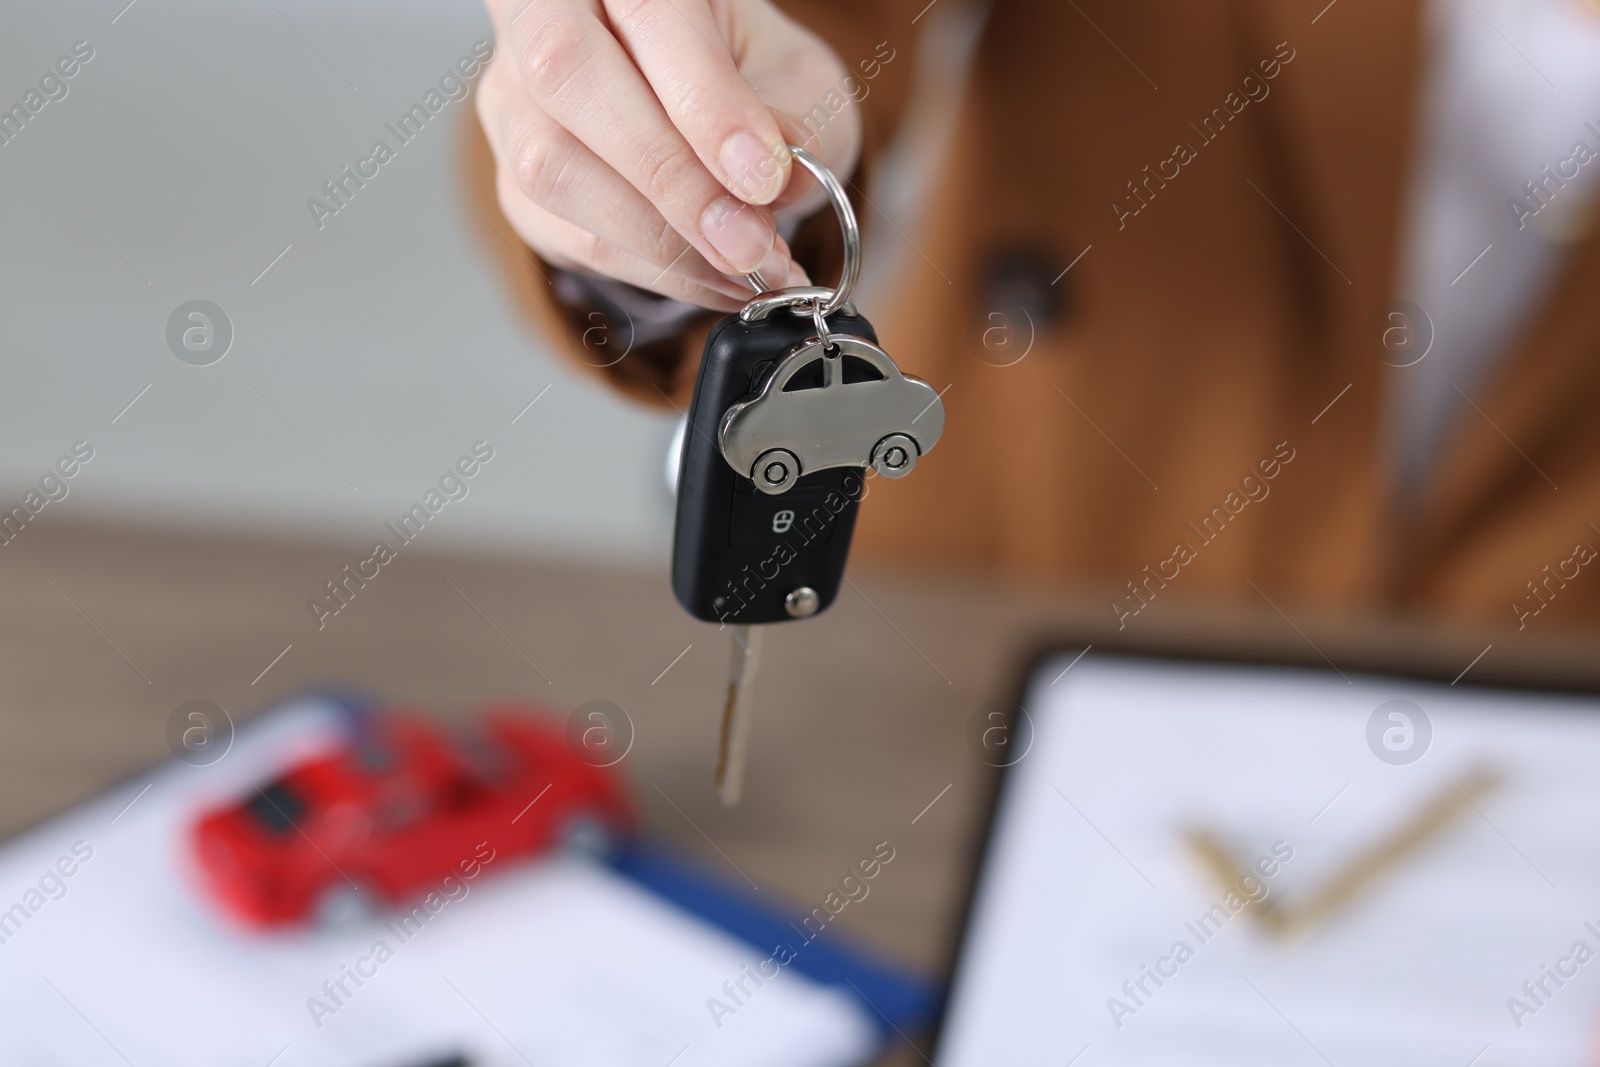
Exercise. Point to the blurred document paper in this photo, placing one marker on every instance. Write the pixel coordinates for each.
(1215, 864)
(124, 962)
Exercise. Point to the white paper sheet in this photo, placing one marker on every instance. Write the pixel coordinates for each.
(1090, 879)
(125, 962)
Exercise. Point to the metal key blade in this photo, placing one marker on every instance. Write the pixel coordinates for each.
(736, 713)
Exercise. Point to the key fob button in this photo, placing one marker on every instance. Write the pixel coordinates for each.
(799, 515)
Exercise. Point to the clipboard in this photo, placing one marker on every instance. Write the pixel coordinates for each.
(1260, 983)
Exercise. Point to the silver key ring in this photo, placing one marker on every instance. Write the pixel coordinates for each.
(802, 296)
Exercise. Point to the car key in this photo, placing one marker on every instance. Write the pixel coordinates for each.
(794, 404)
(750, 551)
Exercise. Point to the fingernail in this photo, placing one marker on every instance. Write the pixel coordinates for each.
(775, 268)
(738, 232)
(734, 289)
(752, 168)
(797, 276)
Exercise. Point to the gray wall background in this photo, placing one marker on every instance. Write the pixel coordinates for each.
(177, 167)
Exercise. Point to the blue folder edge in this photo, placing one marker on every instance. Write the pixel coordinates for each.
(895, 999)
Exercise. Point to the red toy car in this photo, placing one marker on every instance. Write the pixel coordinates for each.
(403, 808)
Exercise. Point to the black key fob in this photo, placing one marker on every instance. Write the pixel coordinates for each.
(741, 555)
(792, 407)
(785, 426)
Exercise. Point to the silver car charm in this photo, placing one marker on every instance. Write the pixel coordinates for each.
(839, 402)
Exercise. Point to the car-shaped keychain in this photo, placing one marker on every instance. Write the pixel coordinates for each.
(842, 403)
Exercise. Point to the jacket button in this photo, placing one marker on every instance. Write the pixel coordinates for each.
(1018, 302)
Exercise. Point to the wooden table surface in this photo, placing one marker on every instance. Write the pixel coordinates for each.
(861, 715)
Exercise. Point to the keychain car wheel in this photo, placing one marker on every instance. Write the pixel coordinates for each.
(895, 455)
(775, 470)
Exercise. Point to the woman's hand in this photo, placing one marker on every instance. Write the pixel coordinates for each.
(644, 139)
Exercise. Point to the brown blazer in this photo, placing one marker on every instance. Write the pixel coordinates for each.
(1233, 244)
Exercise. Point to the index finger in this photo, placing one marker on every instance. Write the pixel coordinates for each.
(685, 57)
